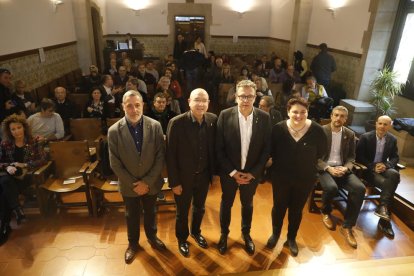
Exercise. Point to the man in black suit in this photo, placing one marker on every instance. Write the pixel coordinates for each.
(378, 151)
(335, 169)
(242, 149)
(190, 163)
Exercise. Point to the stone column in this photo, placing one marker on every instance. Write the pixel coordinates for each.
(300, 27)
(374, 45)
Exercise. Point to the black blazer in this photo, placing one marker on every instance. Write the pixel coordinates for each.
(228, 142)
(366, 148)
(181, 150)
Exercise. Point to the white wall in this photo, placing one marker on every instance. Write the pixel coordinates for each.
(28, 24)
(152, 18)
(344, 30)
(281, 18)
(226, 21)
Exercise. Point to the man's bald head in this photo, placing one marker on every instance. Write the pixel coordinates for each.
(383, 125)
(198, 103)
(198, 91)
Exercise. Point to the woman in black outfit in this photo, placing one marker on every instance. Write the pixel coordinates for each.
(297, 144)
(96, 107)
(19, 152)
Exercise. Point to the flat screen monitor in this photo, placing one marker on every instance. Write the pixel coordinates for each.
(123, 46)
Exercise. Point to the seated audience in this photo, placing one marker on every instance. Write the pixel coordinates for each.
(164, 87)
(335, 170)
(231, 94)
(315, 94)
(277, 71)
(226, 76)
(262, 90)
(137, 85)
(19, 152)
(151, 69)
(7, 106)
(291, 74)
(112, 69)
(46, 124)
(130, 69)
(121, 78)
(23, 98)
(284, 96)
(96, 107)
(145, 76)
(175, 87)
(263, 66)
(378, 151)
(160, 112)
(64, 107)
(91, 80)
(245, 72)
(266, 104)
(109, 92)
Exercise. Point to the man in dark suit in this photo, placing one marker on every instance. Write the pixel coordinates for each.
(335, 170)
(242, 149)
(136, 154)
(190, 163)
(378, 151)
(132, 42)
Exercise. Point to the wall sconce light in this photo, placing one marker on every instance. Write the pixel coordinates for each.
(137, 12)
(55, 4)
(332, 11)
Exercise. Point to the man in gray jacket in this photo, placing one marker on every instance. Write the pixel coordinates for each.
(136, 153)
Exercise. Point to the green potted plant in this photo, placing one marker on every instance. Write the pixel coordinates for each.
(383, 89)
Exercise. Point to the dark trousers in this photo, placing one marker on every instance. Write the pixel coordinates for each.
(387, 181)
(132, 214)
(197, 194)
(356, 193)
(229, 188)
(292, 195)
(9, 197)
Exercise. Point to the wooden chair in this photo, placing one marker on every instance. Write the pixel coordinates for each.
(42, 92)
(70, 162)
(222, 93)
(102, 180)
(111, 121)
(80, 100)
(86, 129)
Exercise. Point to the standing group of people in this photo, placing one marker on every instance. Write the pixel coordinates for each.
(237, 145)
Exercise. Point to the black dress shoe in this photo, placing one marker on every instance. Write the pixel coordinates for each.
(156, 243)
(201, 241)
(130, 254)
(19, 213)
(293, 247)
(222, 244)
(386, 227)
(383, 212)
(5, 231)
(272, 241)
(183, 248)
(248, 244)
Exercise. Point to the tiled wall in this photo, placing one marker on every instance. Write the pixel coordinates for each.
(58, 62)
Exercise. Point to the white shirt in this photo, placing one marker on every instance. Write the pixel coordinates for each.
(246, 126)
(109, 92)
(335, 154)
(46, 127)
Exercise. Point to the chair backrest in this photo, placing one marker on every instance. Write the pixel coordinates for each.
(111, 121)
(222, 93)
(68, 157)
(85, 129)
(79, 100)
(42, 92)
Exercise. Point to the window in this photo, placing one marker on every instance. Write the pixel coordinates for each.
(400, 54)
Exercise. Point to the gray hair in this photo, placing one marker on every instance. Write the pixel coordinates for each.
(245, 83)
(131, 93)
(340, 108)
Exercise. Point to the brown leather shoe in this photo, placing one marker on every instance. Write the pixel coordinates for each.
(349, 236)
(327, 221)
(130, 254)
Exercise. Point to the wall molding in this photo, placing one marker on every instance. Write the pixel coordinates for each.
(35, 51)
(138, 35)
(342, 52)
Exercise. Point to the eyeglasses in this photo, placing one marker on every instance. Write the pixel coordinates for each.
(246, 98)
